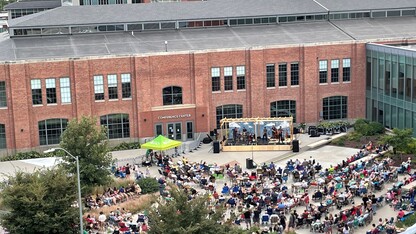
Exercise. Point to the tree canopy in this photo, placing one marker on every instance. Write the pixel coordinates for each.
(181, 215)
(85, 139)
(40, 202)
(400, 140)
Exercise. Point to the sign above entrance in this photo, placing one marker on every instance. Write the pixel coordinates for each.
(174, 116)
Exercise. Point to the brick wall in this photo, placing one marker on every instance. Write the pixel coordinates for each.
(191, 71)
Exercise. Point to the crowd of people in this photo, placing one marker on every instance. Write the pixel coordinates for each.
(265, 198)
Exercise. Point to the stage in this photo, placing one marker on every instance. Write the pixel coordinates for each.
(242, 134)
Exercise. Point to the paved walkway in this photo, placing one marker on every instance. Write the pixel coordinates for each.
(324, 154)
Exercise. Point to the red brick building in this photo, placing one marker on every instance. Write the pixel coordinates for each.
(180, 83)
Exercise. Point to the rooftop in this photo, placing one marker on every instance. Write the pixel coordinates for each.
(152, 42)
(33, 4)
(197, 10)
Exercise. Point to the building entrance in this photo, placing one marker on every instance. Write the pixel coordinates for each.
(174, 131)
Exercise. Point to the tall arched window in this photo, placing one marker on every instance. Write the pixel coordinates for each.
(229, 111)
(118, 125)
(335, 107)
(3, 143)
(284, 108)
(50, 131)
(172, 95)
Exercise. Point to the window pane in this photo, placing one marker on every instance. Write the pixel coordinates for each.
(215, 79)
(36, 92)
(241, 79)
(294, 74)
(125, 86)
(99, 87)
(118, 125)
(285, 108)
(3, 142)
(3, 96)
(270, 75)
(228, 78)
(335, 107)
(228, 111)
(65, 90)
(112, 87)
(50, 91)
(282, 74)
(50, 131)
(323, 71)
(172, 95)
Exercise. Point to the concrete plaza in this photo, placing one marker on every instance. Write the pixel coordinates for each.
(316, 147)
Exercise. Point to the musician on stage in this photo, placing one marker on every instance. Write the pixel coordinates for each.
(280, 135)
(265, 134)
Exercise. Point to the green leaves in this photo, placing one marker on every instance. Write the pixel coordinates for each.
(181, 215)
(367, 128)
(84, 138)
(148, 185)
(401, 140)
(40, 202)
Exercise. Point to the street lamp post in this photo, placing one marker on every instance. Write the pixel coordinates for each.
(81, 228)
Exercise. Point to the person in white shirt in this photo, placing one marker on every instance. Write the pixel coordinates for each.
(101, 219)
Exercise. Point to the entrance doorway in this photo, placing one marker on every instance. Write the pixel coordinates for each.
(174, 131)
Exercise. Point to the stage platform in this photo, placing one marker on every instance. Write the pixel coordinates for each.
(247, 148)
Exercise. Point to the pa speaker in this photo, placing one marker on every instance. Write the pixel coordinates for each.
(216, 145)
(295, 146)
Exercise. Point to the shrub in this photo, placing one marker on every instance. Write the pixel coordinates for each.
(24, 155)
(126, 146)
(367, 128)
(340, 141)
(354, 136)
(148, 185)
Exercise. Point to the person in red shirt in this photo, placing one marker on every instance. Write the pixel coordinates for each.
(400, 214)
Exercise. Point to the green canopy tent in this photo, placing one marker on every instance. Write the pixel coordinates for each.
(161, 143)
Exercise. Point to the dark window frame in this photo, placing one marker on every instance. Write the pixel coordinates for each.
(241, 77)
(117, 125)
(323, 72)
(112, 87)
(215, 79)
(294, 74)
(335, 107)
(270, 75)
(36, 92)
(228, 111)
(172, 95)
(99, 87)
(3, 94)
(334, 71)
(51, 95)
(228, 79)
(282, 74)
(50, 130)
(283, 108)
(346, 70)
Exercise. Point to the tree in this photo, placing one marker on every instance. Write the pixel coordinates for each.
(400, 140)
(181, 215)
(88, 141)
(40, 202)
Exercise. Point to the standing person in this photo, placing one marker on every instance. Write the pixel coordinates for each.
(292, 220)
(374, 203)
(127, 170)
(327, 225)
(264, 134)
(247, 218)
(282, 220)
(365, 200)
